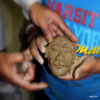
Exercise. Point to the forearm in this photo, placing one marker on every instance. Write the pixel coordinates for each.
(25, 5)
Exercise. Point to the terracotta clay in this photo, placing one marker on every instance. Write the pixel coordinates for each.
(61, 56)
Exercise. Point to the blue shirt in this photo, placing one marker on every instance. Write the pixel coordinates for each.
(83, 18)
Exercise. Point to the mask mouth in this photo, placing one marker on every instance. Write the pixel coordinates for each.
(59, 71)
(59, 66)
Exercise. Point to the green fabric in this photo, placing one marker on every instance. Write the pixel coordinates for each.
(13, 21)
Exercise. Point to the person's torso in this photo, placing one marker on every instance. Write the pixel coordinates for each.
(83, 18)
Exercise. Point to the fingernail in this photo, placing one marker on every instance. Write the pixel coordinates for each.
(41, 61)
(49, 38)
(76, 40)
(45, 42)
(42, 49)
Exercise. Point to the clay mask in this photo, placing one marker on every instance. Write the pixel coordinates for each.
(61, 55)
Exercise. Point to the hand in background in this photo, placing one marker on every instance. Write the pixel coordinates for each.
(37, 44)
(8, 71)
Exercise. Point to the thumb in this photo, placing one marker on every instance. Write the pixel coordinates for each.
(79, 73)
(84, 67)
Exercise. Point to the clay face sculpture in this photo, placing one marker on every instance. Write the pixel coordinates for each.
(61, 55)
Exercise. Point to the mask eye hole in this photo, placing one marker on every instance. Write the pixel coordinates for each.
(55, 47)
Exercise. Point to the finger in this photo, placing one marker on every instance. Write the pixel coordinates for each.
(27, 85)
(35, 53)
(18, 57)
(30, 72)
(66, 30)
(48, 35)
(79, 74)
(27, 52)
(41, 43)
(47, 32)
(55, 29)
(35, 86)
(83, 69)
(54, 34)
(44, 42)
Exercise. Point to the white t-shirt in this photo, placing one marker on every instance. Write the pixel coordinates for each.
(25, 4)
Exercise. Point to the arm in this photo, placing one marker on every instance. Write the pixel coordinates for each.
(49, 21)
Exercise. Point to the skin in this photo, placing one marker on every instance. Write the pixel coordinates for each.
(8, 71)
(50, 22)
(52, 26)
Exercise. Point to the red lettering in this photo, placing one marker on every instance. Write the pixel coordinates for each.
(79, 79)
(84, 17)
(93, 16)
(68, 10)
(85, 77)
(52, 5)
(58, 9)
(78, 12)
(90, 75)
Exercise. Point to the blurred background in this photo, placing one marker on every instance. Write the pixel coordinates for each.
(13, 25)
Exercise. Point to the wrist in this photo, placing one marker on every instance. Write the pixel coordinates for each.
(34, 10)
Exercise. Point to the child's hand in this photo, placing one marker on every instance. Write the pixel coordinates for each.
(50, 22)
(88, 67)
(9, 72)
(37, 44)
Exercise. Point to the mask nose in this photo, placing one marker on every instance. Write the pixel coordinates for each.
(59, 60)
